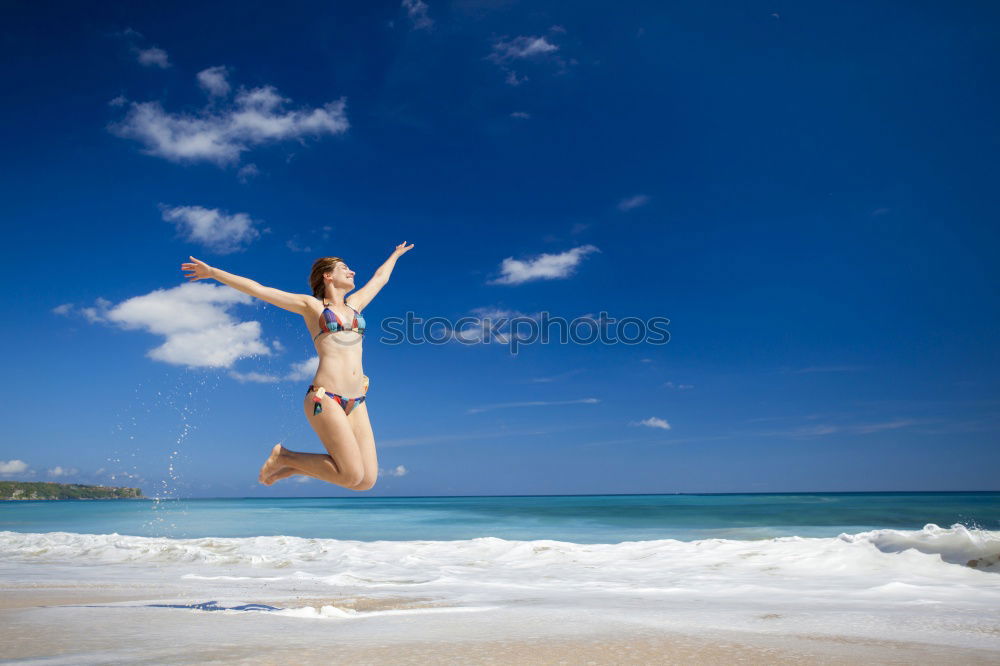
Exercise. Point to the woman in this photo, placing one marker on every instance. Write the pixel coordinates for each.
(335, 403)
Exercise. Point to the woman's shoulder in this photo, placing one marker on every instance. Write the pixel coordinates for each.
(315, 305)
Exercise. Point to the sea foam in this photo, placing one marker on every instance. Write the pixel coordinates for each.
(911, 585)
(956, 545)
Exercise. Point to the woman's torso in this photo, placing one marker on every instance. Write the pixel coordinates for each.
(340, 369)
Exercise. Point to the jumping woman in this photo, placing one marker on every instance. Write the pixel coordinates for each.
(334, 404)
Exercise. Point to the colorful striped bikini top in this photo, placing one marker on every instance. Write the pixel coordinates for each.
(329, 322)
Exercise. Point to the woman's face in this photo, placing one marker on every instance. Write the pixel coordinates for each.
(342, 276)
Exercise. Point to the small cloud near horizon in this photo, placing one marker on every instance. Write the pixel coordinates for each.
(9, 467)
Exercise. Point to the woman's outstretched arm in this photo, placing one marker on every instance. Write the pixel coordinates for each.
(199, 270)
(362, 297)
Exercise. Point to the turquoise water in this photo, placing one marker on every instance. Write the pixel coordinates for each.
(576, 518)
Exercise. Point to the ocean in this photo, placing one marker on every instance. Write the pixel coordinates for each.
(908, 567)
(583, 519)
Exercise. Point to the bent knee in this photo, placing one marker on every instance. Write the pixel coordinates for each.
(364, 484)
(352, 476)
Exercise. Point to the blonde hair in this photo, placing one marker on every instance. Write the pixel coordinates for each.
(320, 266)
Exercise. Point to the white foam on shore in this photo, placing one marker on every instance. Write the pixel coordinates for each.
(910, 585)
(848, 553)
(336, 613)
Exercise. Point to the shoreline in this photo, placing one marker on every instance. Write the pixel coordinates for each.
(29, 612)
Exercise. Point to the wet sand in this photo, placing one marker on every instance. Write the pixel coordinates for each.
(33, 625)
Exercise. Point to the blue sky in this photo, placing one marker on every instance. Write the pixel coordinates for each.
(805, 191)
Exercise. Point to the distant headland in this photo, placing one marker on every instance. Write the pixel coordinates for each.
(39, 490)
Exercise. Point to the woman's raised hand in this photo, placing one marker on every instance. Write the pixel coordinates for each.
(403, 248)
(199, 270)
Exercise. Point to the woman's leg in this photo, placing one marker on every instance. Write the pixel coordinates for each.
(362, 428)
(341, 465)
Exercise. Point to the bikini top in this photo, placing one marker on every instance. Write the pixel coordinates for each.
(329, 322)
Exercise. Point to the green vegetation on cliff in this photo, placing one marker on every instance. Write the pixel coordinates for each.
(31, 490)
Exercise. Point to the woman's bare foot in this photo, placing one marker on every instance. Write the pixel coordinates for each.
(271, 466)
(282, 473)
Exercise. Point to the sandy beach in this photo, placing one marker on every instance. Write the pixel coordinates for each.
(121, 628)
(882, 596)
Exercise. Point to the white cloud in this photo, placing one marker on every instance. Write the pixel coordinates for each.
(304, 370)
(221, 134)
(506, 53)
(822, 429)
(216, 230)
(806, 431)
(258, 377)
(417, 11)
(482, 323)
(118, 101)
(633, 202)
(299, 372)
(96, 314)
(868, 428)
(543, 266)
(63, 471)
(491, 321)
(514, 80)
(247, 172)
(13, 467)
(532, 403)
(679, 387)
(214, 81)
(294, 245)
(520, 114)
(520, 48)
(194, 319)
(153, 57)
(655, 422)
(216, 347)
(398, 470)
(93, 314)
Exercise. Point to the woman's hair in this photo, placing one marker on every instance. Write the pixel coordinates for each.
(320, 266)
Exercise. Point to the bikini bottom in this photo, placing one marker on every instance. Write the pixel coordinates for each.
(347, 403)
